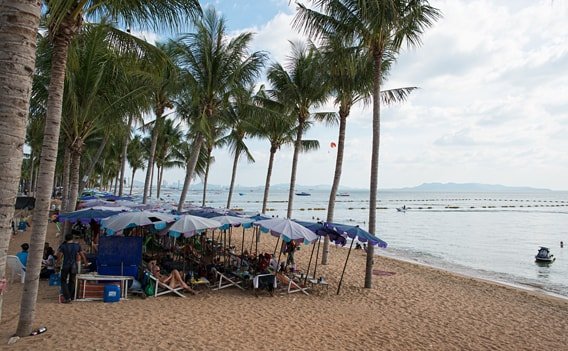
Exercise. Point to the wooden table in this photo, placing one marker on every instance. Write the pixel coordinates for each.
(123, 280)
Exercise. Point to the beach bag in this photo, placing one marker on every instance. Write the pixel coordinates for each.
(150, 288)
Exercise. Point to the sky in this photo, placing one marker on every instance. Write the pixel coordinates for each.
(492, 104)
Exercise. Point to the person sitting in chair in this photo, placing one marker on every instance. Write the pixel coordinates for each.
(173, 280)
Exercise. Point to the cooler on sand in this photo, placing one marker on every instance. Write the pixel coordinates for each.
(111, 293)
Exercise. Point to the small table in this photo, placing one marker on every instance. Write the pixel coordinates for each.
(123, 280)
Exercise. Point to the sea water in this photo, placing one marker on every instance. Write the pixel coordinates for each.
(488, 235)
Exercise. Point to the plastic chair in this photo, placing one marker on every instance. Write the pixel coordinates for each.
(14, 267)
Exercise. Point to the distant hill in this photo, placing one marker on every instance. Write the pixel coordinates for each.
(469, 187)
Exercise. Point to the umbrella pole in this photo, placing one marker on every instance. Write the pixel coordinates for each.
(230, 232)
(345, 266)
(309, 264)
(253, 232)
(243, 242)
(279, 255)
(256, 244)
(276, 247)
(317, 257)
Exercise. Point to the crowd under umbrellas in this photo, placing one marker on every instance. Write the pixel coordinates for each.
(118, 216)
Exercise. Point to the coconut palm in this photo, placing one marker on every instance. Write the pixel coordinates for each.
(300, 86)
(239, 116)
(19, 21)
(212, 66)
(64, 20)
(165, 85)
(350, 72)
(380, 27)
(135, 157)
(169, 138)
(278, 126)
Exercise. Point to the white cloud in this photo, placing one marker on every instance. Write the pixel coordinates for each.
(491, 105)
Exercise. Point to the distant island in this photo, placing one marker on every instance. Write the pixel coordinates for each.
(469, 187)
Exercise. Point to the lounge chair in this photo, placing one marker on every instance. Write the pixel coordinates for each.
(225, 281)
(163, 289)
(14, 267)
(264, 281)
(291, 285)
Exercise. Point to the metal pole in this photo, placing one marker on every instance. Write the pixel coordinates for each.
(243, 241)
(275, 247)
(256, 244)
(309, 263)
(317, 257)
(279, 255)
(345, 266)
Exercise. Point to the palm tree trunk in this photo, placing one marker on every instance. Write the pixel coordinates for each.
(150, 169)
(233, 177)
(66, 171)
(374, 165)
(336, 178)
(132, 180)
(160, 175)
(268, 176)
(94, 162)
(151, 180)
(74, 180)
(116, 178)
(31, 184)
(190, 168)
(61, 41)
(124, 155)
(297, 146)
(209, 151)
(19, 22)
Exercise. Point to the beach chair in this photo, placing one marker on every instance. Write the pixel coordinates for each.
(163, 289)
(14, 268)
(266, 281)
(226, 281)
(290, 284)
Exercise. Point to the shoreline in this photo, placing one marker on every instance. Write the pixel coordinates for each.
(518, 286)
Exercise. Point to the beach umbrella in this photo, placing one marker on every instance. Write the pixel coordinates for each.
(354, 232)
(287, 229)
(86, 215)
(189, 225)
(234, 221)
(136, 219)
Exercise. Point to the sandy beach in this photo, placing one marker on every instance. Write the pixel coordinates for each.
(410, 307)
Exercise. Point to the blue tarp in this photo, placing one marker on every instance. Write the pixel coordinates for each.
(86, 215)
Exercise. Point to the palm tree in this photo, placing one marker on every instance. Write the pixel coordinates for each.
(380, 27)
(300, 86)
(239, 116)
(64, 20)
(165, 85)
(212, 66)
(19, 21)
(279, 127)
(350, 72)
(135, 157)
(169, 138)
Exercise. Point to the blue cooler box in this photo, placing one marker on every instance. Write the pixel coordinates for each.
(112, 293)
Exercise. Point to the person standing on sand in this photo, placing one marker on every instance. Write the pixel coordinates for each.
(71, 253)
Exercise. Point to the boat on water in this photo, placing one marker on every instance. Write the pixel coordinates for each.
(303, 193)
(402, 209)
(544, 255)
(241, 194)
(342, 194)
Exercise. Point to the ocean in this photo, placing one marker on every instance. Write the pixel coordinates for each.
(493, 236)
